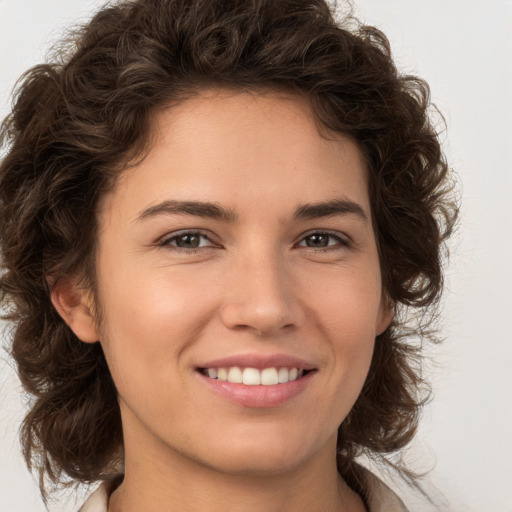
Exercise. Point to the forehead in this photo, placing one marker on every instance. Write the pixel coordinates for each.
(240, 147)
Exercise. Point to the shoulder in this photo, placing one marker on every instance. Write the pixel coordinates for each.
(98, 500)
(379, 497)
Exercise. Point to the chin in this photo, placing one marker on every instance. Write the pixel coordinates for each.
(256, 464)
(261, 455)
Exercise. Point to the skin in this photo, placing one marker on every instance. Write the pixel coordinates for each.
(259, 283)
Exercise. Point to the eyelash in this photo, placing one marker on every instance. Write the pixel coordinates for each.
(341, 242)
(166, 242)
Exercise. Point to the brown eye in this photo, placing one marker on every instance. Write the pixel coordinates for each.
(324, 241)
(187, 240)
(317, 240)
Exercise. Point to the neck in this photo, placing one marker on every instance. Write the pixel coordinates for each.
(166, 480)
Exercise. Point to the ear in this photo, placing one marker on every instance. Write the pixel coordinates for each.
(385, 315)
(75, 306)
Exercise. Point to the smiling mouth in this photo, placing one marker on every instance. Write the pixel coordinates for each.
(253, 376)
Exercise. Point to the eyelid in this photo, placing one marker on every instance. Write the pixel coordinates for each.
(164, 241)
(344, 240)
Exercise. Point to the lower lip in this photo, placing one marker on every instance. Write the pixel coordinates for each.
(257, 396)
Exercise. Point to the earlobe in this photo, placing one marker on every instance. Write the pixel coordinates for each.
(74, 305)
(386, 315)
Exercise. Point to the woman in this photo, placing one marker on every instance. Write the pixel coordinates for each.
(214, 215)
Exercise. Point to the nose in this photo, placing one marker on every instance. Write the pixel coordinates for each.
(261, 298)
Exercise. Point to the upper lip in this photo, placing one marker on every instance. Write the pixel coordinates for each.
(259, 361)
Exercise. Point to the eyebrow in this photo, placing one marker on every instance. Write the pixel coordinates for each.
(328, 209)
(215, 211)
(196, 208)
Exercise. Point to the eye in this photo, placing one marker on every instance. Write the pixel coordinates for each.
(190, 240)
(324, 240)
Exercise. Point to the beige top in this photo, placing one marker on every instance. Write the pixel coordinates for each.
(379, 496)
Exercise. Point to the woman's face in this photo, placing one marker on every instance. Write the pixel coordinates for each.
(241, 248)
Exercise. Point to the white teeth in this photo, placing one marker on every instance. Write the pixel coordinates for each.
(254, 377)
(235, 375)
(269, 377)
(282, 376)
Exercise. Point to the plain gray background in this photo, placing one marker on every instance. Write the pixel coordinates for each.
(464, 50)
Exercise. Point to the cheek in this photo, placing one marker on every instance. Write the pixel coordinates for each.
(152, 318)
(345, 311)
(347, 302)
(140, 299)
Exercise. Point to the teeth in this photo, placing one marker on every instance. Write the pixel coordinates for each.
(254, 377)
(282, 376)
(235, 375)
(269, 377)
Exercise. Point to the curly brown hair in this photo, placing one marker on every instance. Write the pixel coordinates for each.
(75, 123)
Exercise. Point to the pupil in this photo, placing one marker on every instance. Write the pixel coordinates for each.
(188, 241)
(318, 241)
